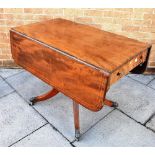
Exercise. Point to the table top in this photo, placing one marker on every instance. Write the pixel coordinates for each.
(104, 50)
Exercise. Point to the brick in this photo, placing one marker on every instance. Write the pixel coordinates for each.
(1, 16)
(122, 21)
(141, 35)
(152, 55)
(84, 20)
(1, 10)
(4, 45)
(130, 28)
(38, 11)
(146, 23)
(28, 10)
(151, 64)
(33, 10)
(41, 17)
(153, 22)
(9, 63)
(3, 28)
(124, 9)
(13, 10)
(29, 21)
(108, 13)
(104, 9)
(53, 11)
(153, 37)
(6, 50)
(153, 47)
(73, 12)
(93, 13)
(4, 40)
(122, 14)
(27, 17)
(8, 16)
(1, 63)
(2, 22)
(153, 41)
(14, 23)
(2, 56)
(149, 16)
(18, 16)
(112, 28)
(139, 16)
(152, 29)
(102, 20)
(145, 29)
(143, 10)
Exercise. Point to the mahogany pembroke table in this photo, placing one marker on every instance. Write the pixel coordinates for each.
(77, 60)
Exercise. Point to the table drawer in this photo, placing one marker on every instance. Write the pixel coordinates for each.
(127, 67)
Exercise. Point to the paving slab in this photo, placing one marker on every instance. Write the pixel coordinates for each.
(28, 85)
(151, 124)
(4, 88)
(134, 99)
(145, 79)
(116, 129)
(152, 84)
(58, 110)
(17, 119)
(44, 137)
(5, 73)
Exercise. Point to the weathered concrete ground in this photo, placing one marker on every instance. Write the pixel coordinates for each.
(50, 123)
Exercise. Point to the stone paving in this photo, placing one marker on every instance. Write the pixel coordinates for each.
(50, 123)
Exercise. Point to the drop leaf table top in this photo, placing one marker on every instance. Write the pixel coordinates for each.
(78, 60)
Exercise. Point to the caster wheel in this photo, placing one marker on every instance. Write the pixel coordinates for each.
(115, 104)
(31, 104)
(32, 101)
(77, 135)
(77, 138)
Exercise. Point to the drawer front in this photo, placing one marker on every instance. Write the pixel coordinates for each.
(82, 83)
(126, 68)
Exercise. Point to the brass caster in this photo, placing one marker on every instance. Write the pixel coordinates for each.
(77, 135)
(115, 105)
(32, 101)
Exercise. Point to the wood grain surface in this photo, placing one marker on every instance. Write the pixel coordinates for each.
(105, 50)
(84, 84)
(78, 60)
